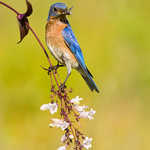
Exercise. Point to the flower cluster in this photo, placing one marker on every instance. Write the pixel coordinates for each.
(71, 113)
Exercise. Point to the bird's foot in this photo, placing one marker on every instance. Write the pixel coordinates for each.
(51, 68)
(62, 87)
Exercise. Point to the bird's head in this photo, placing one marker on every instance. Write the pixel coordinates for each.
(58, 10)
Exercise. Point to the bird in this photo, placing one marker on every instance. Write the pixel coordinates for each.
(63, 44)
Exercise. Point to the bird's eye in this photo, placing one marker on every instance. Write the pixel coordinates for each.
(55, 9)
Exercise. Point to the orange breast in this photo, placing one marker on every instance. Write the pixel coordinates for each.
(55, 38)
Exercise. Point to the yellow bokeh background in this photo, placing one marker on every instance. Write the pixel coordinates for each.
(115, 40)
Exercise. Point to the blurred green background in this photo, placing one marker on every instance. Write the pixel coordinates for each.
(115, 39)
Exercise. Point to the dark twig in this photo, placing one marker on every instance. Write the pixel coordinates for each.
(40, 43)
(6, 5)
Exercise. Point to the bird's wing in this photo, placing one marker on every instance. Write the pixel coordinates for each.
(74, 47)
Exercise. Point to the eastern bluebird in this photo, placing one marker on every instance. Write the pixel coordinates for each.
(63, 45)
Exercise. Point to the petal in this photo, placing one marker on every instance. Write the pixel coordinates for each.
(80, 108)
(87, 143)
(59, 124)
(64, 125)
(62, 148)
(53, 107)
(84, 114)
(44, 107)
(76, 100)
(63, 138)
(91, 113)
(71, 136)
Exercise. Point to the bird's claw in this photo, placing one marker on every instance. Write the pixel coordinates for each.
(48, 69)
(62, 87)
(51, 68)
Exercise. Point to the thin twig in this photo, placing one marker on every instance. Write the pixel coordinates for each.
(40, 43)
(6, 5)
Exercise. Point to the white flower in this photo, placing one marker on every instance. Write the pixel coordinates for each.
(76, 100)
(84, 114)
(63, 138)
(59, 124)
(91, 113)
(87, 143)
(71, 136)
(44, 107)
(88, 114)
(80, 108)
(52, 107)
(62, 148)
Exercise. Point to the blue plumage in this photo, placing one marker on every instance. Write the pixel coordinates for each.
(74, 46)
(71, 41)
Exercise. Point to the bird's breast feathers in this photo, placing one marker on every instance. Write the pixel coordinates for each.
(57, 46)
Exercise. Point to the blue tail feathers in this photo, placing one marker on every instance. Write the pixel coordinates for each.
(88, 79)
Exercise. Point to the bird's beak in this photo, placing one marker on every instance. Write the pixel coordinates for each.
(68, 11)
